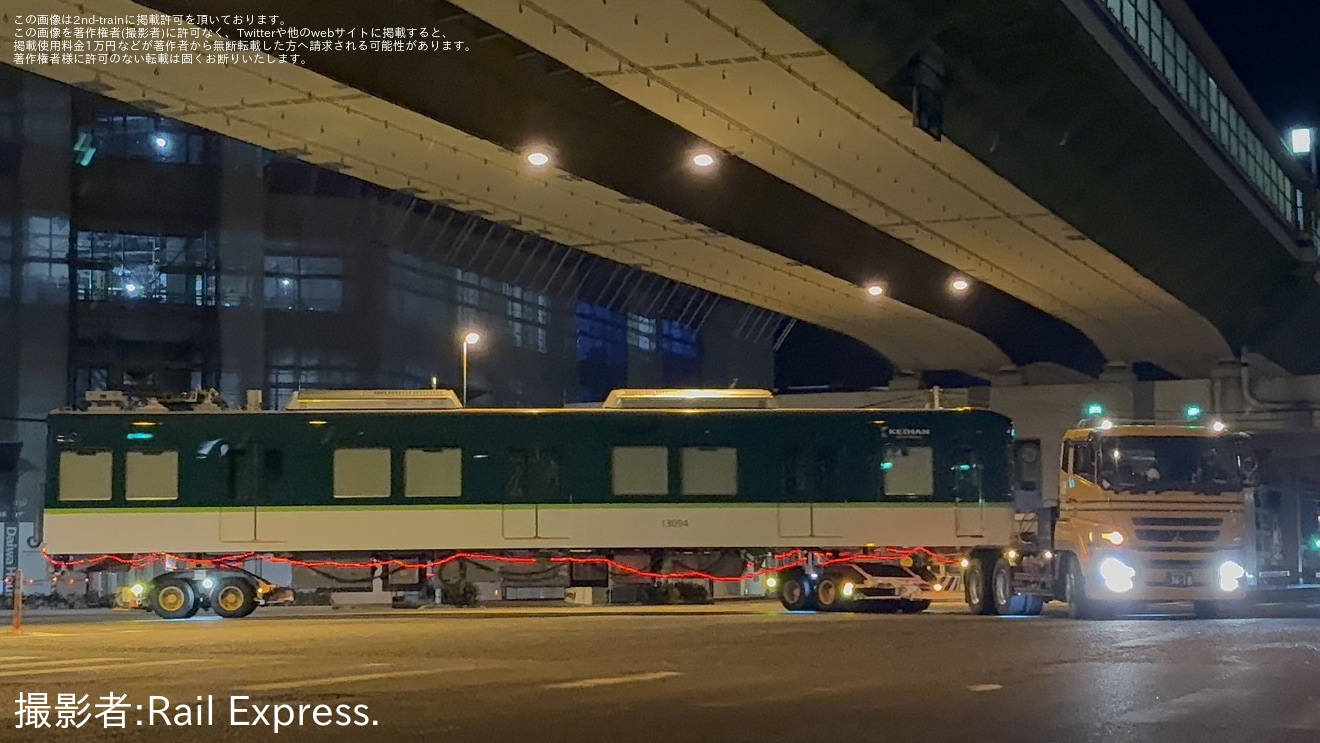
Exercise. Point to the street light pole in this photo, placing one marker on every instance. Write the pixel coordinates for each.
(469, 339)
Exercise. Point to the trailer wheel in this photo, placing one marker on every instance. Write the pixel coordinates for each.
(977, 586)
(795, 593)
(234, 598)
(828, 595)
(174, 598)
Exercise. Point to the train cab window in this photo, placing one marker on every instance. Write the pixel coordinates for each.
(151, 475)
(85, 475)
(433, 473)
(908, 471)
(640, 470)
(710, 470)
(533, 476)
(967, 476)
(362, 473)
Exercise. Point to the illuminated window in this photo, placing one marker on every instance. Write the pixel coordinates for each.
(45, 259)
(309, 284)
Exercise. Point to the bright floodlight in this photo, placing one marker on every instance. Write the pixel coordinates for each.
(130, 288)
(471, 338)
(1218, 427)
(538, 158)
(1193, 412)
(703, 160)
(875, 290)
(960, 284)
(160, 142)
(1301, 140)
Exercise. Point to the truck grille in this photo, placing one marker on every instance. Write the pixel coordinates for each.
(1178, 564)
(1177, 535)
(1164, 521)
(1165, 529)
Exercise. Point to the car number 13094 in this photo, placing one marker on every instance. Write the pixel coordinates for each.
(675, 523)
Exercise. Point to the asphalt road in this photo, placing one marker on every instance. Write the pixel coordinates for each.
(746, 673)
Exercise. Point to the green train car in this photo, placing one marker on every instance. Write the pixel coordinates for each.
(380, 473)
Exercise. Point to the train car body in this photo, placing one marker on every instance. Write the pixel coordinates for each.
(133, 481)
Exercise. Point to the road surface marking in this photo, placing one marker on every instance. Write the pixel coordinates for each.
(63, 662)
(1185, 706)
(331, 681)
(104, 667)
(615, 680)
(7, 658)
(984, 687)
(1308, 718)
(376, 665)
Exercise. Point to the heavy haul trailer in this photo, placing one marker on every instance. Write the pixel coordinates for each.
(351, 476)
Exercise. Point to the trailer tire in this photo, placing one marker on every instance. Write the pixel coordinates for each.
(978, 588)
(234, 598)
(828, 594)
(175, 598)
(795, 593)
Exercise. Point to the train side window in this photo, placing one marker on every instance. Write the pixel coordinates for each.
(85, 475)
(151, 475)
(433, 473)
(710, 470)
(362, 473)
(909, 471)
(640, 470)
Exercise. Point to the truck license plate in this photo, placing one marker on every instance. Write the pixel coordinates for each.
(1183, 580)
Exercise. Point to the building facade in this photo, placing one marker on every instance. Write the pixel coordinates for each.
(138, 253)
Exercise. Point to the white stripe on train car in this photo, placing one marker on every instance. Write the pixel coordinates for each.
(420, 527)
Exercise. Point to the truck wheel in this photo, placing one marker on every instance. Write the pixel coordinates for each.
(977, 583)
(1208, 609)
(828, 594)
(795, 593)
(1007, 603)
(1079, 606)
(234, 598)
(174, 598)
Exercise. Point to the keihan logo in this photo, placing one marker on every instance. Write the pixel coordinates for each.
(909, 432)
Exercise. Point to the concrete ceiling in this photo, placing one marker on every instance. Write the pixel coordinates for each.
(739, 76)
(291, 109)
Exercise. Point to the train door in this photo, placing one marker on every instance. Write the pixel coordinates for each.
(967, 471)
(531, 479)
(811, 478)
(241, 478)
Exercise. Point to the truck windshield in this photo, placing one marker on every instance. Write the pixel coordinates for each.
(1133, 465)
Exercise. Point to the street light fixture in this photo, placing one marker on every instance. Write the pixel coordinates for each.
(960, 284)
(875, 290)
(471, 338)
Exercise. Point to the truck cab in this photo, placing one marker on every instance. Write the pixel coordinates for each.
(1145, 514)
(1150, 513)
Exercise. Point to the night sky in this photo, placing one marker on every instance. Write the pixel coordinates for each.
(1274, 47)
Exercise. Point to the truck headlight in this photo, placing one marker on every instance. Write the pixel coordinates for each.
(1114, 537)
(771, 582)
(137, 589)
(1117, 575)
(847, 589)
(1231, 575)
